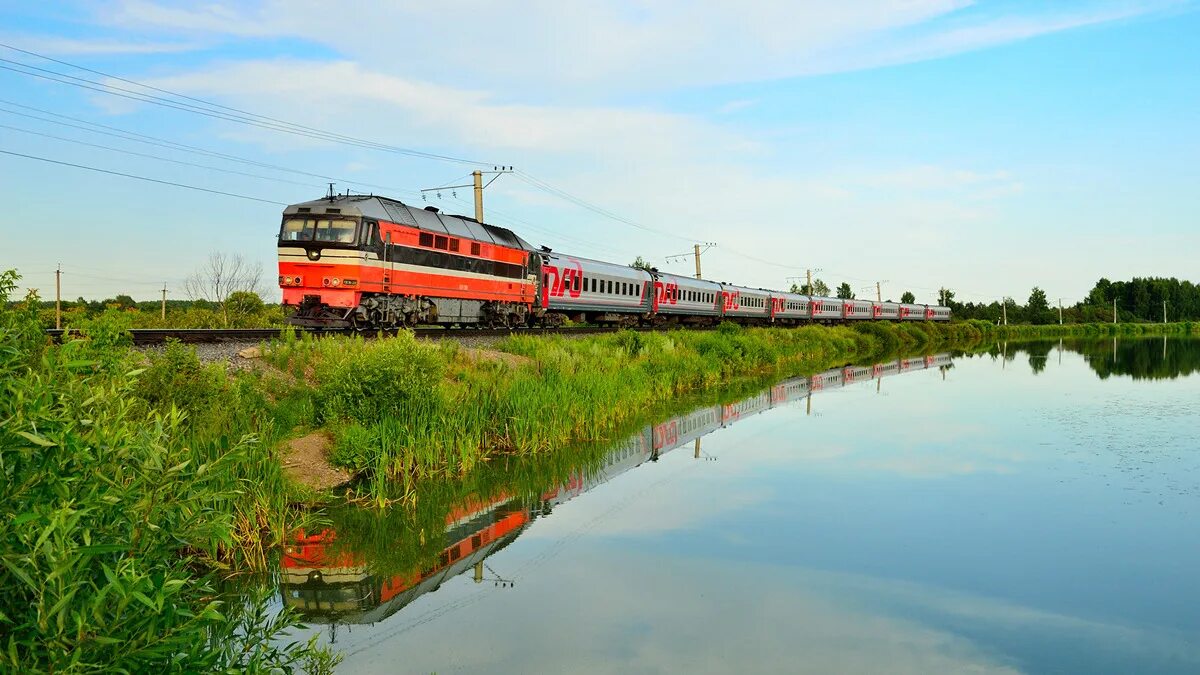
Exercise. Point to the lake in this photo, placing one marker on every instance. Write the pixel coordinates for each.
(1030, 508)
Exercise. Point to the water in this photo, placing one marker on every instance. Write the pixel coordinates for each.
(1026, 510)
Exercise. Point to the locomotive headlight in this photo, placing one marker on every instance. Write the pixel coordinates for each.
(335, 282)
(325, 281)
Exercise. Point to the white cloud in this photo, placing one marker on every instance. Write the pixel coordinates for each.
(550, 45)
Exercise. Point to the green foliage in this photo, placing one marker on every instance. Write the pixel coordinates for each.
(112, 528)
(908, 298)
(844, 291)
(175, 378)
(395, 377)
(641, 264)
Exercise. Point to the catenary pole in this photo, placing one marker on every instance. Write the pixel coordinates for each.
(164, 301)
(696, 249)
(478, 176)
(58, 297)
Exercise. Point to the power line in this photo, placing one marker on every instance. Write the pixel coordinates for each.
(213, 109)
(155, 157)
(143, 178)
(135, 137)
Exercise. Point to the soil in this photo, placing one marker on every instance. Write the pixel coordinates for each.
(306, 461)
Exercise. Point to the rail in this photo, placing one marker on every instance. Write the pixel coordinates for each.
(154, 336)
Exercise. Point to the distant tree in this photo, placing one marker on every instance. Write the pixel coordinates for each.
(820, 288)
(801, 289)
(908, 298)
(244, 303)
(220, 277)
(641, 264)
(121, 302)
(1037, 310)
(844, 292)
(945, 297)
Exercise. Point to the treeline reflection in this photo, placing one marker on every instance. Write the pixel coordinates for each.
(1139, 358)
(369, 564)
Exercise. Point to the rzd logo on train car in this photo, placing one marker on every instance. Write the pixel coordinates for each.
(732, 300)
(666, 435)
(557, 283)
(667, 294)
(778, 306)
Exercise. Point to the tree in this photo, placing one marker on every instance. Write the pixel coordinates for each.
(844, 292)
(945, 297)
(220, 277)
(641, 264)
(1037, 309)
(820, 288)
(908, 298)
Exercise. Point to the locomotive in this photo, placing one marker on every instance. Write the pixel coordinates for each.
(367, 261)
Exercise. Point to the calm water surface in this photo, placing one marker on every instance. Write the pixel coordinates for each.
(1028, 510)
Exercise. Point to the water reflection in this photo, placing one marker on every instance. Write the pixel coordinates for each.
(1165, 357)
(1025, 507)
(328, 581)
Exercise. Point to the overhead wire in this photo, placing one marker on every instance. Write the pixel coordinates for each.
(209, 108)
(237, 115)
(123, 134)
(155, 157)
(142, 178)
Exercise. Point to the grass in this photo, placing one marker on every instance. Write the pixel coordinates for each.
(127, 488)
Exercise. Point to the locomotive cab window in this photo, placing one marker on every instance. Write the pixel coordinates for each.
(339, 231)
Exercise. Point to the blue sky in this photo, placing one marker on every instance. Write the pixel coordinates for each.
(984, 146)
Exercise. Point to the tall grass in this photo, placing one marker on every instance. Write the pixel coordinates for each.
(403, 410)
(118, 509)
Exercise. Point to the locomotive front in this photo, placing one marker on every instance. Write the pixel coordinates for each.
(322, 252)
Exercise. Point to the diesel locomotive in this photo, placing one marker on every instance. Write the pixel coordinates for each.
(367, 261)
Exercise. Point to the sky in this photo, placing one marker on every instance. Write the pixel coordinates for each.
(987, 147)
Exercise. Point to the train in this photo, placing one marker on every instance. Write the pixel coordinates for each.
(367, 261)
(327, 583)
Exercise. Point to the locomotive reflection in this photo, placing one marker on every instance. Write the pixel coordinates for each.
(328, 585)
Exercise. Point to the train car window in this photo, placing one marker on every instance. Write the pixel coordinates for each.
(440, 242)
(608, 286)
(426, 239)
(474, 248)
(454, 245)
(575, 283)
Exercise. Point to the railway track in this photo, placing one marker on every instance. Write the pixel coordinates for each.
(155, 336)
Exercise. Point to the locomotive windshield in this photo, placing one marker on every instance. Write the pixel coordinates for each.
(328, 230)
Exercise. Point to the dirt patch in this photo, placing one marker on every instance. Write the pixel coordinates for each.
(510, 360)
(306, 461)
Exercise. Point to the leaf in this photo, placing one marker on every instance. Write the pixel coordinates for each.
(35, 439)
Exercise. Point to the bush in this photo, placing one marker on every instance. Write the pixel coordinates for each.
(388, 378)
(176, 378)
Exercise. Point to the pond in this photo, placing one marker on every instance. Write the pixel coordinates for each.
(1028, 508)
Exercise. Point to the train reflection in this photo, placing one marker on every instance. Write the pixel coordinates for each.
(327, 584)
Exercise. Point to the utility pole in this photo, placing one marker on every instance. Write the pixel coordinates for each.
(478, 178)
(1004, 310)
(696, 251)
(878, 291)
(476, 184)
(1060, 311)
(164, 301)
(696, 454)
(1164, 311)
(1114, 310)
(58, 297)
(810, 288)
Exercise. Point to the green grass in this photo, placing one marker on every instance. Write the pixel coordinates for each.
(127, 488)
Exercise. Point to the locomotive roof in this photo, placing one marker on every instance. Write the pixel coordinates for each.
(395, 211)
